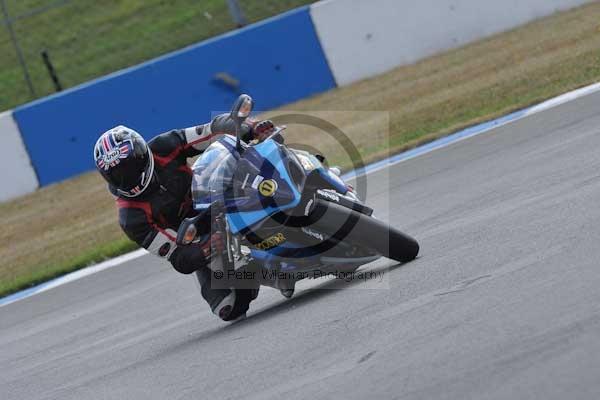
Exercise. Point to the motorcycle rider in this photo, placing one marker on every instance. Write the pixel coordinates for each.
(152, 184)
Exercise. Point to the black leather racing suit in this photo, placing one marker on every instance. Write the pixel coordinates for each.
(152, 219)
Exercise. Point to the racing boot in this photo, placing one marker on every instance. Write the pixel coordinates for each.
(286, 287)
(228, 304)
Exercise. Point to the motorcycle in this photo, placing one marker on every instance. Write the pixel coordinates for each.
(284, 209)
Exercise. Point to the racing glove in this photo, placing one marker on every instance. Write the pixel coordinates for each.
(188, 259)
(263, 129)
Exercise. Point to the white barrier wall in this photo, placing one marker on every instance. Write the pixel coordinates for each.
(17, 176)
(362, 38)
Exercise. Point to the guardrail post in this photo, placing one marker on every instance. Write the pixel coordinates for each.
(51, 70)
(236, 13)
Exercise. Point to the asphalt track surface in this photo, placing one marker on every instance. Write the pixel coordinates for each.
(503, 302)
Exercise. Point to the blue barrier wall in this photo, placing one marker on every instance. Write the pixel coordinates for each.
(277, 61)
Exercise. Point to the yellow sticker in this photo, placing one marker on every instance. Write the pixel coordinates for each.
(267, 187)
(271, 242)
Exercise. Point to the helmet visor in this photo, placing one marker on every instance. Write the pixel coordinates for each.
(129, 181)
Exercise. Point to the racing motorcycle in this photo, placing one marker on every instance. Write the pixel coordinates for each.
(284, 209)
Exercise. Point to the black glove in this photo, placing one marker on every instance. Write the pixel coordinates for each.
(263, 129)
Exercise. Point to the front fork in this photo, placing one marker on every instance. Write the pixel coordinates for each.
(231, 258)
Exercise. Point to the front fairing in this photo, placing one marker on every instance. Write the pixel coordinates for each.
(265, 179)
(269, 179)
(311, 164)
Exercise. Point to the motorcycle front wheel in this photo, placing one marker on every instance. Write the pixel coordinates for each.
(348, 225)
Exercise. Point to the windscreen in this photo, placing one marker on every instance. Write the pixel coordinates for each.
(213, 173)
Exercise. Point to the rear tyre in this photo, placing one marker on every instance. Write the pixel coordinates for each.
(348, 225)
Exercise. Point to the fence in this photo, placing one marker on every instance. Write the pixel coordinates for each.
(84, 39)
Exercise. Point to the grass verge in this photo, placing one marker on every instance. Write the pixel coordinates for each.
(69, 225)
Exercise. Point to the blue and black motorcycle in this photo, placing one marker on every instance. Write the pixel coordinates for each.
(284, 210)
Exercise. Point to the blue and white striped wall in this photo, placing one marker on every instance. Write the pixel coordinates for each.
(280, 60)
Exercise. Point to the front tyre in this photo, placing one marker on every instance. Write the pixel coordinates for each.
(347, 225)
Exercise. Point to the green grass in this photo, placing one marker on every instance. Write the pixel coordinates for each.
(53, 230)
(87, 38)
(100, 253)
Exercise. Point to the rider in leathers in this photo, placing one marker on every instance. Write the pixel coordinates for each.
(152, 182)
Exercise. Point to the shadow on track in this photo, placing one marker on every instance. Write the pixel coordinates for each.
(309, 295)
(304, 297)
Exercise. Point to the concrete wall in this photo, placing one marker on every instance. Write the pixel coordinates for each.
(16, 172)
(363, 38)
(278, 61)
